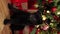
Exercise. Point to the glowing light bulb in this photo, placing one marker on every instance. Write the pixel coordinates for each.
(52, 20)
(51, 24)
(44, 17)
(36, 5)
(58, 13)
(36, 26)
(48, 11)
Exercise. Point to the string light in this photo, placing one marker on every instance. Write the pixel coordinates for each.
(36, 5)
(51, 24)
(58, 13)
(52, 20)
(48, 11)
(36, 26)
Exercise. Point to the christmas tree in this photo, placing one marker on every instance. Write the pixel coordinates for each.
(50, 13)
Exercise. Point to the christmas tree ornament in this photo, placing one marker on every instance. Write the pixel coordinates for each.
(59, 19)
(53, 9)
(56, 17)
(44, 27)
(38, 31)
(58, 32)
(48, 11)
(44, 17)
(51, 25)
(50, 1)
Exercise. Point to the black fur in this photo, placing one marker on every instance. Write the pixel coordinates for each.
(23, 18)
(20, 18)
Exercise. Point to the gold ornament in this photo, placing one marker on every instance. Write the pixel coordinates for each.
(44, 17)
(51, 24)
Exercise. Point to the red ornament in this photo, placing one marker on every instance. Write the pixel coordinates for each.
(44, 27)
(59, 19)
(37, 31)
(56, 17)
(53, 9)
(58, 32)
(30, 28)
(50, 1)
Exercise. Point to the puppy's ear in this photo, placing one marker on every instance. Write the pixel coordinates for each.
(10, 6)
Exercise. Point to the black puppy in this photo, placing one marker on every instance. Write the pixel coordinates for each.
(24, 18)
(20, 18)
